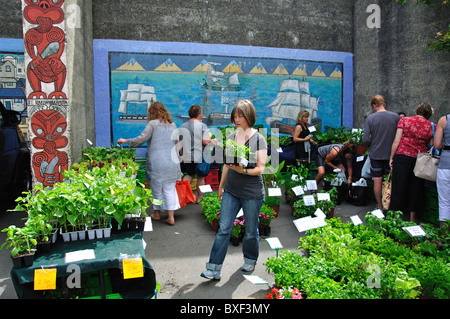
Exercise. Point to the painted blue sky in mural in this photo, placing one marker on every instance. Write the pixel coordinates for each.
(278, 88)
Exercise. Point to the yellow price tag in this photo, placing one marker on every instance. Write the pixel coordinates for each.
(45, 279)
(132, 268)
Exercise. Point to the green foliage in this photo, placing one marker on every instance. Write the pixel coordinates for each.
(343, 259)
(20, 239)
(302, 210)
(210, 204)
(441, 41)
(266, 215)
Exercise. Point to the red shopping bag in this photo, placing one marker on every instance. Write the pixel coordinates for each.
(184, 191)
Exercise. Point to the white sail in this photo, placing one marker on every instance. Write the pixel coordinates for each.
(294, 85)
(293, 97)
(134, 87)
(136, 93)
(123, 107)
(233, 80)
(133, 97)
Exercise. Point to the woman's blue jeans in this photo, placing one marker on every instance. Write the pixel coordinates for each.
(230, 207)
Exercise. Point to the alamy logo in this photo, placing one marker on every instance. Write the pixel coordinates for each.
(374, 19)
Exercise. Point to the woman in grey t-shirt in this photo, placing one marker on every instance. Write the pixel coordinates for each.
(240, 187)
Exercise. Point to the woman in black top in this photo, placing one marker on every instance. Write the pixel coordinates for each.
(302, 138)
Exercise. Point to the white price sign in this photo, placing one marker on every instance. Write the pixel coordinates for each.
(309, 200)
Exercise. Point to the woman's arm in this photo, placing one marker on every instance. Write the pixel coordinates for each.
(397, 138)
(331, 156)
(223, 180)
(439, 134)
(141, 139)
(297, 131)
(349, 169)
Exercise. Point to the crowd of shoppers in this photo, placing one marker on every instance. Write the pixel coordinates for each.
(394, 141)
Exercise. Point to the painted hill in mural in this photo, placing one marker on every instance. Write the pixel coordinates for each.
(336, 74)
(131, 65)
(202, 67)
(233, 67)
(300, 70)
(258, 69)
(168, 66)
(281, 70)
(318, 72)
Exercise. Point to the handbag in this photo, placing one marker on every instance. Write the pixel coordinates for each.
(358, 194)
(202, 169)
(386, 192)
(426, 166)
(184, 192)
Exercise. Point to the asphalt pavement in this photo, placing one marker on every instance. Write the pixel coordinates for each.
(178, 254)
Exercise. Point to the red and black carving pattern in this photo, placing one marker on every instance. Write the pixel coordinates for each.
(49, 127)
(45, 45)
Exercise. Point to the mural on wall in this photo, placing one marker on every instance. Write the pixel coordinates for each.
(279, 89)
(44, 42)
(12, 85)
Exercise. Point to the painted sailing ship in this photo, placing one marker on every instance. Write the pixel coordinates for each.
(135, 99)
(219, 81)
(293, 96)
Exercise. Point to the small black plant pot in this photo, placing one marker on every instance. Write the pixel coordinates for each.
(125, 225)
(140, 224)
(43, 247)
(17, 262)
(132, 225)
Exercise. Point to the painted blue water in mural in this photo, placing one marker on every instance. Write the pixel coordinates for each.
(279, 88)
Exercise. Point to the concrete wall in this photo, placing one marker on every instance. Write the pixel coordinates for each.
(319, 25)
(80, 76)
(394, 60)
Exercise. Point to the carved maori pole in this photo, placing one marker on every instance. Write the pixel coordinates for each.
(44, 43)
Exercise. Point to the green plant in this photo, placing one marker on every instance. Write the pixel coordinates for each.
(238, 227)
(266, 215)
(20, 239)
(343, 258)
(42, 227)
(272, 201)
(232, 149)
(300, 209)
(210, 204)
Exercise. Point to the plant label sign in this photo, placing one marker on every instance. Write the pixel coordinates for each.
(356, 220)
(309, 200)
(298, 190)
(78, 255)
(274, 243)
(256, 280)
(323, 196)
(311, 184)
(319, 213)
(205, 188)
(274, 191)
(415, 231)
(132, 268)
(378, 213)
(45, 279)
(307, 223)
